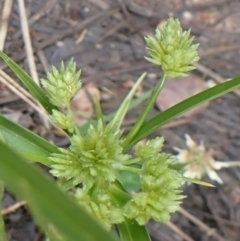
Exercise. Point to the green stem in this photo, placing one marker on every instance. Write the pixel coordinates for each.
(145, 113)
(69, 110)
(99, 111)
(132, 169)
(131, 161)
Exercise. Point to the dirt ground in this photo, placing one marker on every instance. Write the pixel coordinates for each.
(105, 37)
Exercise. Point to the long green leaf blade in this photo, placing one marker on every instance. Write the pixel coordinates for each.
(28, 144)
(175, 111)
(136, 102)
(34, 89)
(50, 206)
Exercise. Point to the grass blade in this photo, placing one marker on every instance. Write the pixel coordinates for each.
(34, 89)
(28, 144)
(155, 123)
(49, 205)
(134, 103)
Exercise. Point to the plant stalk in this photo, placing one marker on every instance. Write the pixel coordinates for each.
(145, 113)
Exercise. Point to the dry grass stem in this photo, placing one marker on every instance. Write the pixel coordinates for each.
(4, 21)
(209, 231)
(29, 50)
(179, 231)
(12, 208)
(21, 95)
(17, 86)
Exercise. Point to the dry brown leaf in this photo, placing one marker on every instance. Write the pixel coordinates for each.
(230, 24)
(106, 94)
(82, 103)
(179, 89)
(130, 83)
(189, 2)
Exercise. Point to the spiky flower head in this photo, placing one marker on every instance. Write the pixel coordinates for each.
(198, 161)
(161, 186)
(172, 48)
(101, 206)
(92, 158)
(63, 121)
(61, 86)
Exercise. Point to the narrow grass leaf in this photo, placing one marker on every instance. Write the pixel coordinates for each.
(52, 208)
(134, 103)
(121, 112)
(34, 89)
(166, 116)
(28, 144)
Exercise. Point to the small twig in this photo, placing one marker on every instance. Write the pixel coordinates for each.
(21, 95)
(219, 50)
(82, 36)
(213, 75)
(46, 8)
(113, 30)
(4, 21)
(157, 233)
(100, 3)
(143, 11)
(179, 231)
(69, 31)
(201, 225)
(45, 63)
(29, 51)
(124, 9)
(17, 86)
(27, 41)
(66, 32)
(12, 208)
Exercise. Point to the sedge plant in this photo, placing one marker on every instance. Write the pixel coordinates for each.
(88, 199)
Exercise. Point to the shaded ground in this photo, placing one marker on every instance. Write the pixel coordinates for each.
(111, 54)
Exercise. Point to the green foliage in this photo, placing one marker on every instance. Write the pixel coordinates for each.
(90, 158)
(34, 89)
(25, 142)
(96, 162)
(175, 111)
(50, 206)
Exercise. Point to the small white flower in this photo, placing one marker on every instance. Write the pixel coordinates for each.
(200, 162)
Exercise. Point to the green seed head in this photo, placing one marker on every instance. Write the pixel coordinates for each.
(61, 86)
(92, 158)
(172, 48)
(161, 186)
(101, 206)
(65, 122)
